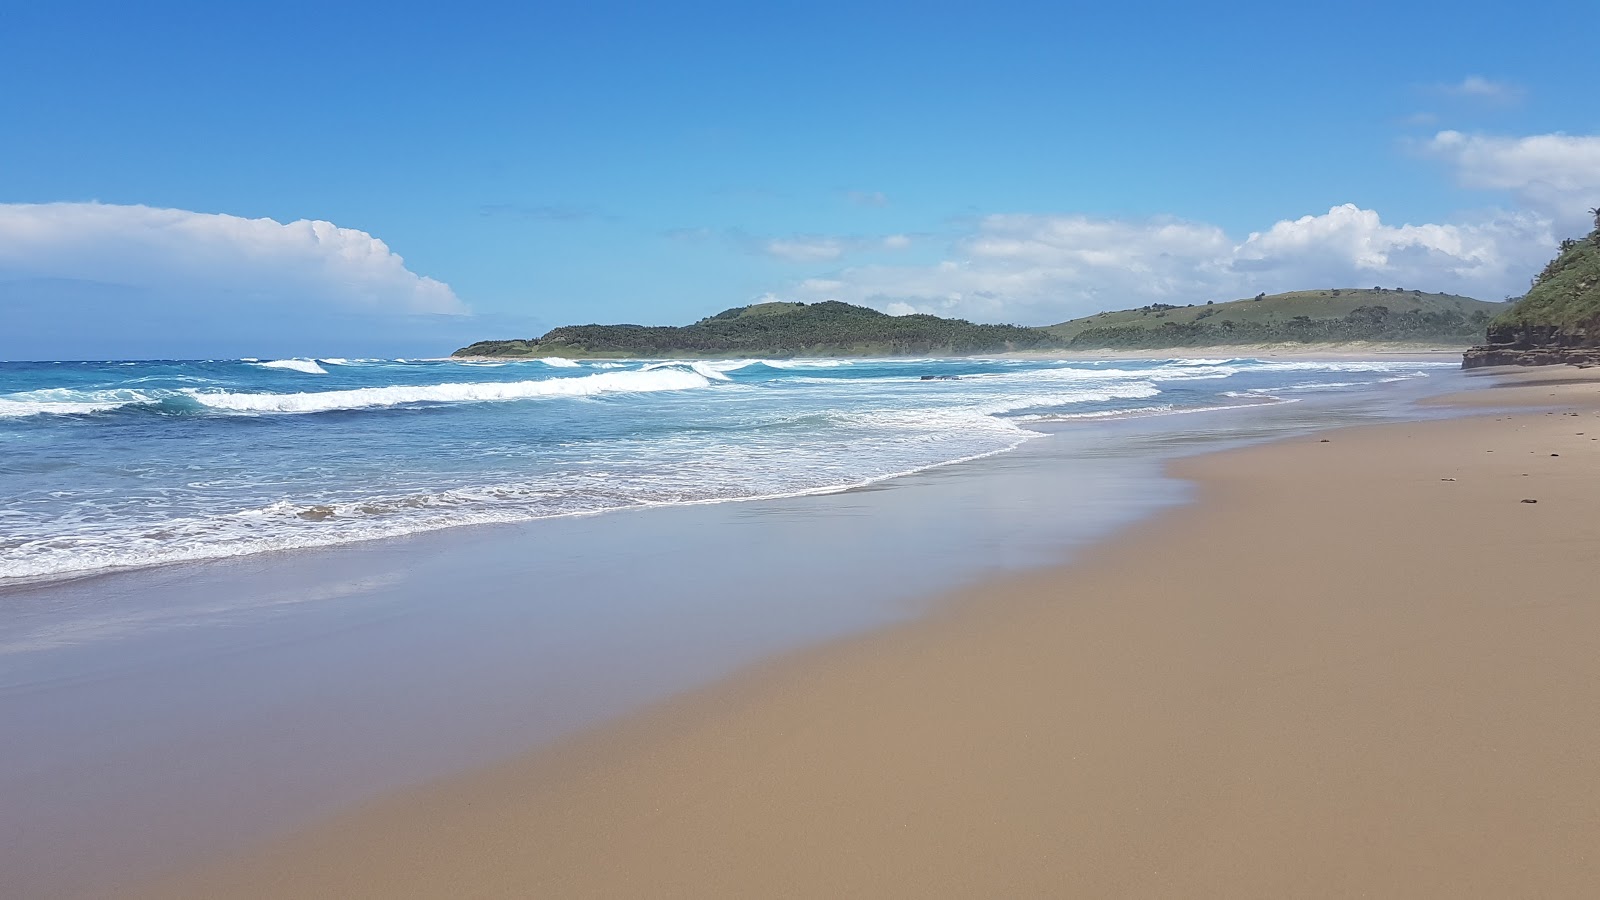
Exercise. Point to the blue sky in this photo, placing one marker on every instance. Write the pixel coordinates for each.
(488, 172)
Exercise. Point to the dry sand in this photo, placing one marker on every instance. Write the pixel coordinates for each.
(1356, 667)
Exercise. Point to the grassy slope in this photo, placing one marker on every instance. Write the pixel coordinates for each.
(1566, 295)
(796, 329)
(1276, 308)
(786, 329)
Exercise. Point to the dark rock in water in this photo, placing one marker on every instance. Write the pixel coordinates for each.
(941, 378)
(1530, 501)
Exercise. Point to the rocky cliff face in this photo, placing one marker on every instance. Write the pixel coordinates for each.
(1558, 321)
(1533, 345)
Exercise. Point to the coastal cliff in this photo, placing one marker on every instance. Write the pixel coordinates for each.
(1558, 321)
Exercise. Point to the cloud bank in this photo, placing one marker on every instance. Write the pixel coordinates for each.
(1039, 268)
(239, 259)
(1046, 268)
(108, 276)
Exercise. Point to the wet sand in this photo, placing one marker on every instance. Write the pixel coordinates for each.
(1359, 664)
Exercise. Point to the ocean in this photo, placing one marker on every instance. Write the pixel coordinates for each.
(119, 465)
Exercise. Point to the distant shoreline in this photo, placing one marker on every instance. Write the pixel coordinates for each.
(1309, 351)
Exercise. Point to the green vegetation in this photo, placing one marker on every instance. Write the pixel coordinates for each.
(1336, 315)
(778, 329)
(840, 329)
(1564, 302)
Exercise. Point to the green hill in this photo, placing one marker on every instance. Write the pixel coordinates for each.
(840, 329)
(1566, 295)
(1335, 315)
(1558, 320)
(778, 329)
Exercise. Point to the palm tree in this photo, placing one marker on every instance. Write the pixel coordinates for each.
(1595, 211)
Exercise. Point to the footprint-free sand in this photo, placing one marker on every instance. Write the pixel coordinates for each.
(1360, 664)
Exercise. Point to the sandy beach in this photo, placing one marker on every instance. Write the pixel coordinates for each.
(1359, 664)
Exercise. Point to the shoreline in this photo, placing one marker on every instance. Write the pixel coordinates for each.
(1208, 705)
(1356, 350)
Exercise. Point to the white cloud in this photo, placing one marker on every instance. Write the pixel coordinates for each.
(1486, 258)
(810, 248)
(1037, 268)
(231, 260)
(1558, 174)
(1479, 88)
(805, 249)
(1042, 268)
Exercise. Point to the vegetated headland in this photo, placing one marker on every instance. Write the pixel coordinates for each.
(1558, 320)
(1333, 316)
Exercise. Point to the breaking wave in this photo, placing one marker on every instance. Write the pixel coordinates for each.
(471, 392)
(307, 366)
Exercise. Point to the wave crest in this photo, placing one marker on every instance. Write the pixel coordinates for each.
(306, 366)
(469, 392)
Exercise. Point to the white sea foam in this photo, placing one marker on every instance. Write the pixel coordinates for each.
(1300, 387)
(808, 363)
(1138, 390)
(1162, 410)
(16, 409)
(307, 366)
(712, 370)
(560, 362)
(67, 402)
(470, 392)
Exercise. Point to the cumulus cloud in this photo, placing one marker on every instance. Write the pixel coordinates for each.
(1558, 174)
(96, 279)
(1040, 268)
(234, 258)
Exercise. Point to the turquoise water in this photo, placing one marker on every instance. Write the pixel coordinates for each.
(110, 465)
